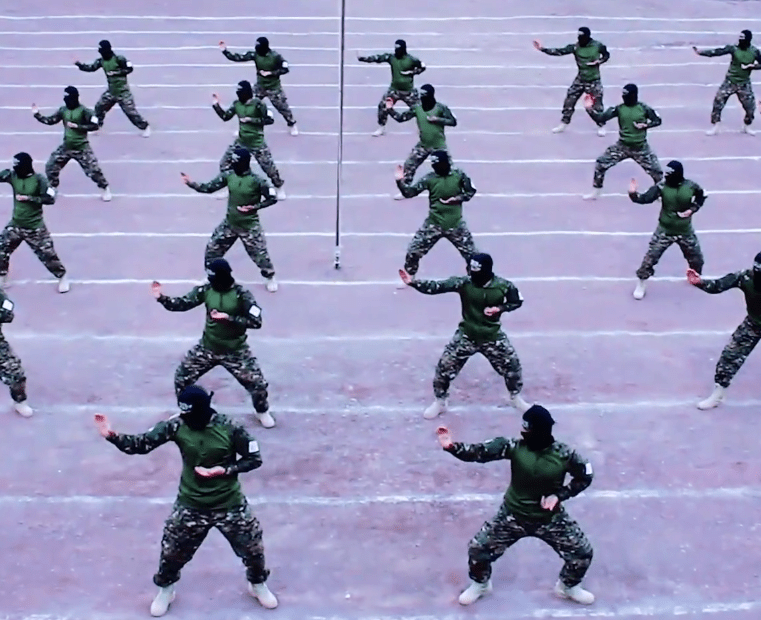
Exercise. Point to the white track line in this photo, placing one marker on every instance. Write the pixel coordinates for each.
(660, 48)
(390, 20)
(333, 65)
(378, 86)
(214, 35)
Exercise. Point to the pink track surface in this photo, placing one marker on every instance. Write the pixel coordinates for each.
(364, 517)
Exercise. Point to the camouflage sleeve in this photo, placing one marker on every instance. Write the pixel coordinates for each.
(467, 191)
(756, 61)
(160, 434)
(217, 183)
(512, 299)
(719, 285)
(282, 67)
(376, 59)
(446, 117)
(247, 448)
(125, 67)
(605, 116)
(698, 197)
(45, 193)
(437, 287)
(6, 308)
(650, 196)
(604, 53)
(496, 449)
(405, 116)
(652, 116)
(559, 51)
(5, 176)
(265, 116)
(90, 67)
(225, 115)
(187, 302)
(580, 470)
(410, 191)
(251, 316)
(268, 195)
(92, 120)
(247, 57)
(55, 118)
(718, 51)
(418, 67)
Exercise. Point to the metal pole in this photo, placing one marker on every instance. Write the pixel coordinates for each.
(339, 159)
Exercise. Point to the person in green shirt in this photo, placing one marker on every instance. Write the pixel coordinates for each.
(680, 200)
(447, 189)
(253, 117)
(231, 310)
(532, 506)
(30, 193)
(78, 121)
(634, 119)
(247, 195)
(404, 68)
(589, 55)
(484, 297)
(116, 68)
(432, 117)
(270, 66)
(745, 58)
(748, 333)
(11, 371)
(210, 494)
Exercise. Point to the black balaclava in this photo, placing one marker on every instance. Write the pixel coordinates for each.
(481, 269)
(537, 428)
(674, 174)
(585, 36)
(241, 161)
(71, 97)
(22, 165)
(630, 95)
(262, 46)
(105, 51)
(440, 163)
(427, 100)
(746, 36)
(400, 48)
(195, 405)
(245, 92)
(220, 276)
(757, 272)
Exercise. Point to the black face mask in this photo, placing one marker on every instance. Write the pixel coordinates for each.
(262, 46)
(71, 98)
(105, 51)
(537, 428)
(220, 275)
(195, 407)
(481, 270)
(22, 165)
(585, 36)
(630, 95)
(674, 174)
(241, 162)
(745, 38)
(400, 49)
(757, 273)
(440, 163)
(245, 92)
(427, 100)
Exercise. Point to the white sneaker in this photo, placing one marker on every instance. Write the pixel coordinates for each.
(474, 592)
(281, 194)
(399, 196)
(594, 195)
(24, 410)
(272, 284)
(163, 600)
(435, 409)
(262, 593)
(601, 132)
(747, 130)
(223, 195)
(713, 400)
(294, 130)
(713, 130)
(147, 132)
(516, 400)
(63, 284)
(576, 593)
(106, 196)
(265, 419)
(380, 131)
(639, 292)
(560, 128)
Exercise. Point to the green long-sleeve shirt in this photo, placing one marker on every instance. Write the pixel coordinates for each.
(74, 138)
(593, 51)
(689, 196)
(736, 74)
(226, 336)
(533, 475)
(271, 61)
(498, 293)
(456, 184)
(116, 68)
(28, 213)
(6, 311)
(627, 116)
(253, 117)
(218, 445)
(249, 190)
(742, 280)
(431, 133)
(403, 70)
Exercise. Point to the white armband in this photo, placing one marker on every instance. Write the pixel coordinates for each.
(129, 64)
(520, 297)
(588, 469)
(7, 305)
(269, 113)
(94, 119)
(255, 312)
(422, 65)
(253, 446)
(50, 192)
(272, 191)
(284, 65)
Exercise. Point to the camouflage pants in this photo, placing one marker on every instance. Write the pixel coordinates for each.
(661, 241)
(186, 529)
(500, 353)
(429, 234)
(414, 160)
(575, 91)
(279, 102)
(11, 372)
(223, 238)
(263, 156)
(126, 102)
(618, 152)
(240, 364)
(411, 98)
(743, 341)
(38, 239)
(744, 93)
(563, 534)
(84, 157)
